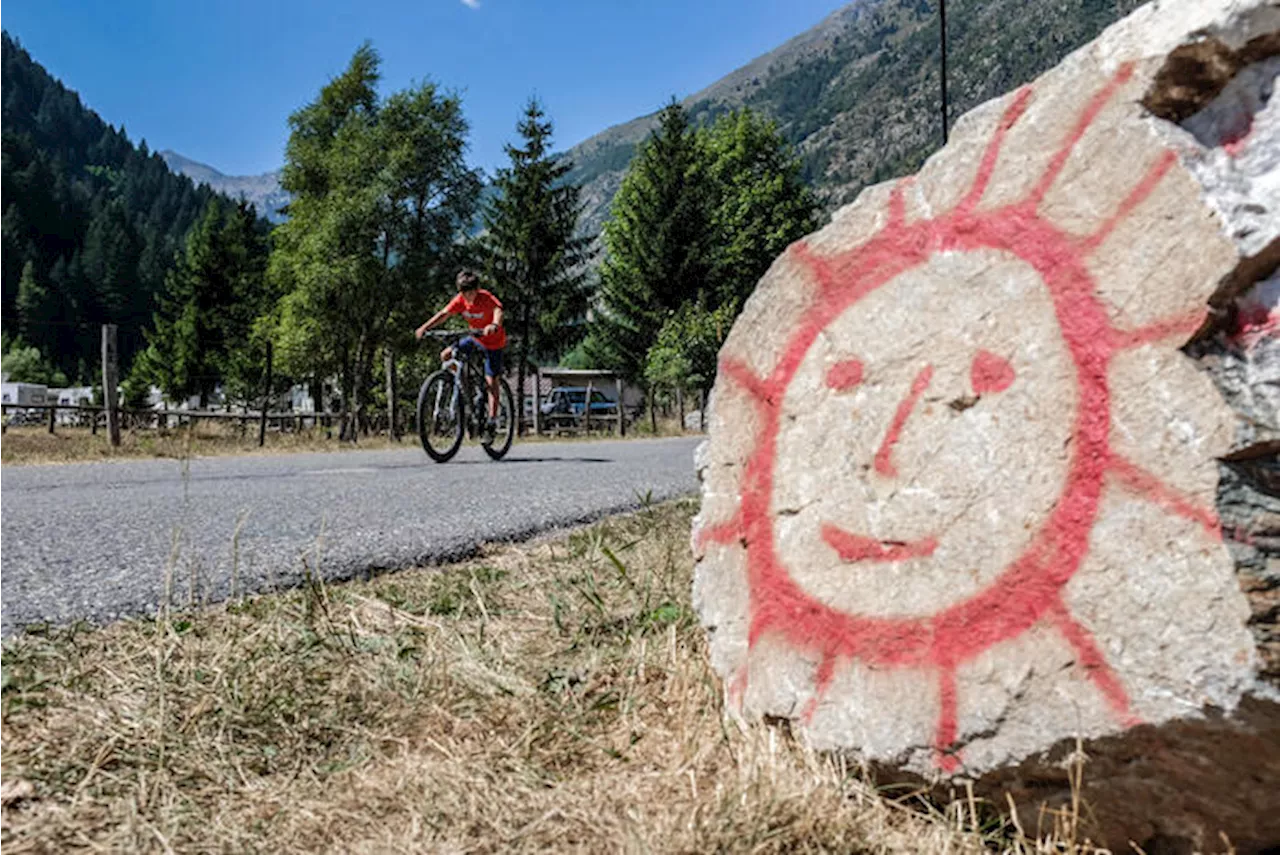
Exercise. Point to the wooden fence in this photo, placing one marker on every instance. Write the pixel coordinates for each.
(95, 417)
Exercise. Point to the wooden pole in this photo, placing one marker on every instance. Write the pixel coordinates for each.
(586, 409)
(537, 400)
(622, 422)
(266, 401)
(702, 411)
(53, 414)
(653, 410)
(110, 379)
(680, 408)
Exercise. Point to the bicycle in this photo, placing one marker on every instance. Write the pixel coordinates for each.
(454, 403)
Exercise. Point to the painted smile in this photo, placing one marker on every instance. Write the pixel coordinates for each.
(855, 547)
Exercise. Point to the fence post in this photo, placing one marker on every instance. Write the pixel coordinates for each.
(680, 408)
(110, 379)
(389, 358)
(266, 401)
(53, 414)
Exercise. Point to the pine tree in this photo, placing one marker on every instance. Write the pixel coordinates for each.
(659, 244)
(762, 204)
(36, 310)
(531, 250)
(201, 334)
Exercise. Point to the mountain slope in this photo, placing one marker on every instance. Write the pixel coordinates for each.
(91, 221)
(262, 190)
(858, 94)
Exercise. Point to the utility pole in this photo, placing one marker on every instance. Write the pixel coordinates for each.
(942, 29)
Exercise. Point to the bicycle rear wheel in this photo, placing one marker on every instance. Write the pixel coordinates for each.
(441, 416)
(506, 430)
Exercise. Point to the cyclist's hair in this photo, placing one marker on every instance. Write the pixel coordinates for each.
(467, 279)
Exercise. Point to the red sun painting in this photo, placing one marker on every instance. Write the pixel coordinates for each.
(904, 554)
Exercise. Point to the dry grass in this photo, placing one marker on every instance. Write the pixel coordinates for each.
(22, 445)
(549, 697)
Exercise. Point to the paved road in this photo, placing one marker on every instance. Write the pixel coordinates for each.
(97, 540)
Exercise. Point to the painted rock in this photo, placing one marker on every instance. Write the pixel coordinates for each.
(991, 465)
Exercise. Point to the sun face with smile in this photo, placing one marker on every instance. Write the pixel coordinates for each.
(961, 470)
(922, 409)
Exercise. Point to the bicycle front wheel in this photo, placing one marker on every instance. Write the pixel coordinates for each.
(441, 420)
(506, 428)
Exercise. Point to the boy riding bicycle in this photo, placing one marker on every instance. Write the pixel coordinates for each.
(483, 312)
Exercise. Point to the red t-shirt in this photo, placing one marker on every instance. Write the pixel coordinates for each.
(479, 314)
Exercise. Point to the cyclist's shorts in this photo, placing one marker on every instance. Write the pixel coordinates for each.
(492, 358)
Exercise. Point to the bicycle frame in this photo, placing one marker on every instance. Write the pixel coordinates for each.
(477, 394)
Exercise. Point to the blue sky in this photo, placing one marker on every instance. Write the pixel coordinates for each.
(216, 80)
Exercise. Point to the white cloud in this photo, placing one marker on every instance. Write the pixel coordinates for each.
(471, 4)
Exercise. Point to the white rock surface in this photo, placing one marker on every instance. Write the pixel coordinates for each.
(959, 487)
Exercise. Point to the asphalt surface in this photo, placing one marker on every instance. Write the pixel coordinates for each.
(100, 541)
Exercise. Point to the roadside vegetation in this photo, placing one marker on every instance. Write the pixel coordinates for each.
(554, 696)
(225, 310)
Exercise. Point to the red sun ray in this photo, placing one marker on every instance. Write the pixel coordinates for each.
(1148, 486)
(1141, 191)
(818, 266)
(947, 756)
(821, 681)
(1086, 119)
(1183, 325)
(760, 390)
(989, 157)
(722, 533)
(1094, 663)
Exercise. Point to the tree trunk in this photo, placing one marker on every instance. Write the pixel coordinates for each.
(357, 389)
(344, 413)
(653, 408)
(680, 408)
(389, 359)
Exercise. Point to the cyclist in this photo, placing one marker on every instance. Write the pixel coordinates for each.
(483, 312)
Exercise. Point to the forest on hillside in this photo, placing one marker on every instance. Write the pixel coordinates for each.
(864, 105)
(91, 222)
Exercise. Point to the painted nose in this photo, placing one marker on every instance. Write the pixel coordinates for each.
(884, 456)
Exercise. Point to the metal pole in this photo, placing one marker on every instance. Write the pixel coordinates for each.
(942, 28)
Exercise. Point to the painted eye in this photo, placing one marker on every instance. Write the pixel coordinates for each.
(844, 375)
(990, 373)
